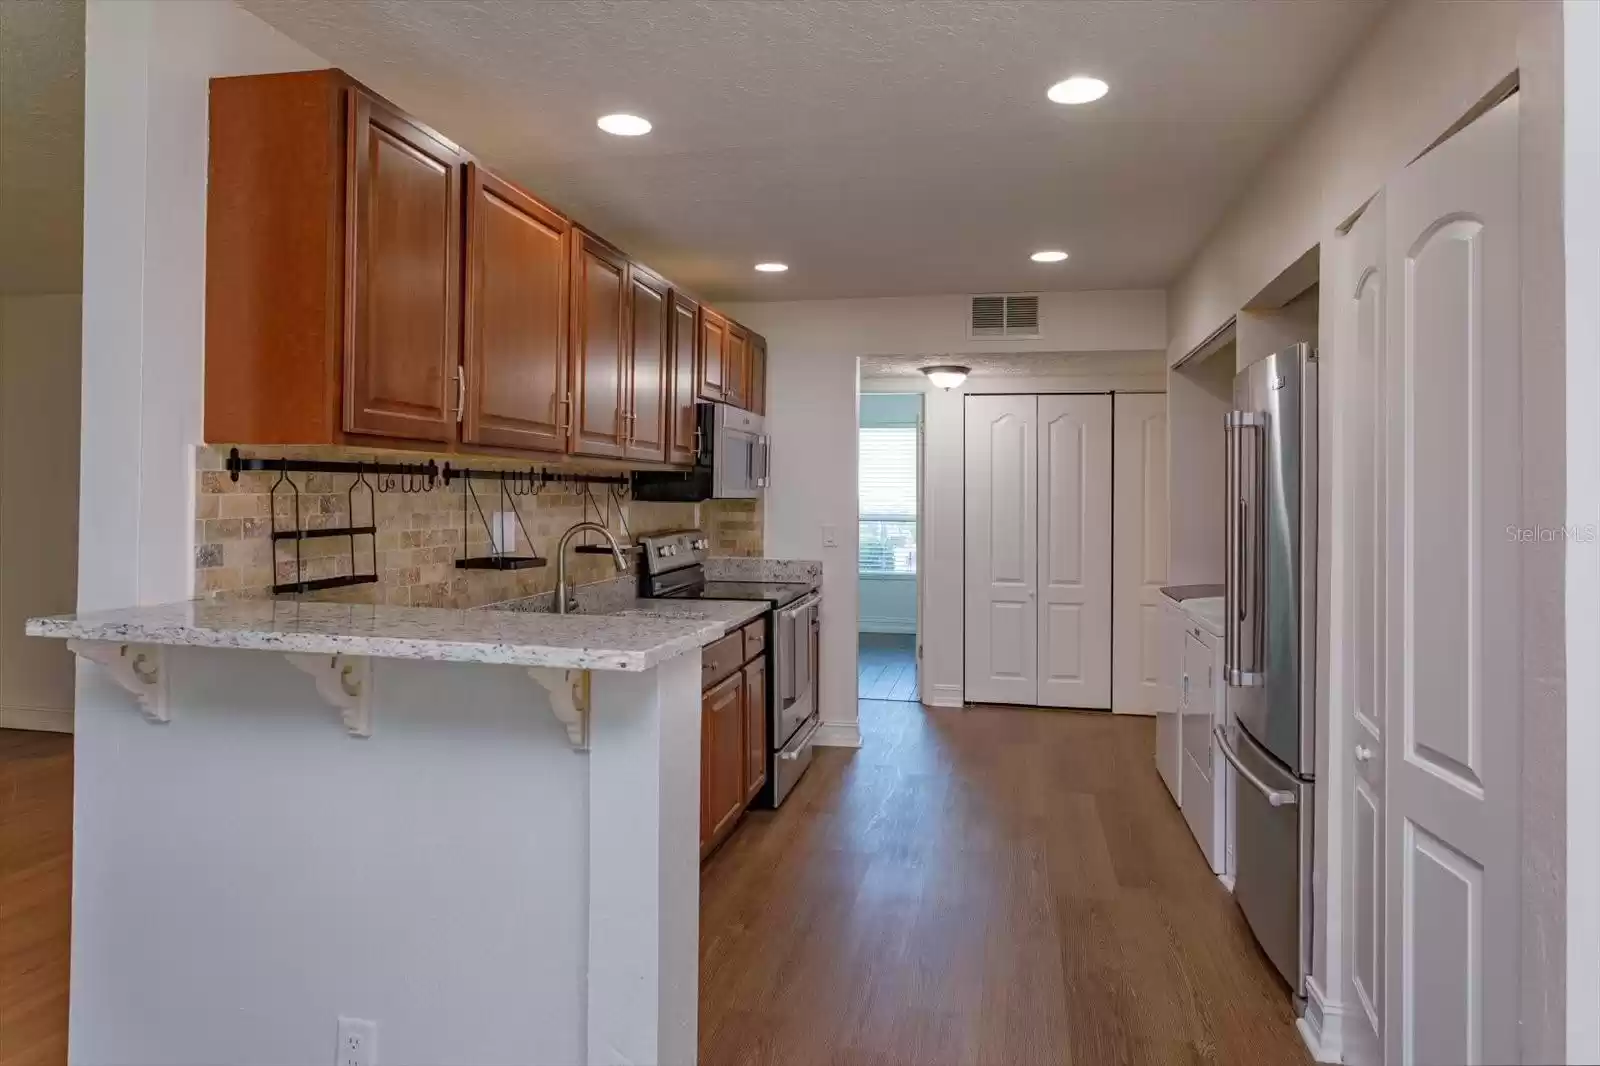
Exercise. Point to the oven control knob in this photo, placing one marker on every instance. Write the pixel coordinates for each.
(700, 545)
(661, 551)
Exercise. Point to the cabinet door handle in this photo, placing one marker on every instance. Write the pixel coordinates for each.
(563, 414)
(461, 394)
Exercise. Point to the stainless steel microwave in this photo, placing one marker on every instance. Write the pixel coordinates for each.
(732, 461)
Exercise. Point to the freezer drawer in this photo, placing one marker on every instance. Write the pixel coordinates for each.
(1272, 852)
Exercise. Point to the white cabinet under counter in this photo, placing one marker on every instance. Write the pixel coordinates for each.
(1186, 751)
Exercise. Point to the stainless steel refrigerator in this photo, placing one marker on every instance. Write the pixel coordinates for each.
(1270, 648)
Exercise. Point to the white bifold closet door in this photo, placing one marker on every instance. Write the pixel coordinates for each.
(1140, 558)
(1038, 547)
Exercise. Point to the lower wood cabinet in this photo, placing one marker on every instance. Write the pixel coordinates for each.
(733, 730)
(755, 728)
(722, 757)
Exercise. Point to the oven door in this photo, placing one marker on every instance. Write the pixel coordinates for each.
(796, 667)
(740, 451)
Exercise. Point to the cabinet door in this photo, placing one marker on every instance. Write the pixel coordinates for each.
(713, 353)
(721, 760)
(402, 277)
(599, 348)
(757, 398)
(755, 728)
(649, 332)
(685, 337)
(515, 355)
(736, 364)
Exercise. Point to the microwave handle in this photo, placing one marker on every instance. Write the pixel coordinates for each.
(765, 477)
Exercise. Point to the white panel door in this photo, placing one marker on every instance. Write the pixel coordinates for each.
(1139, 531)
(1358, 410)
(1002, 527)
(1075, 552)
(1452, 732)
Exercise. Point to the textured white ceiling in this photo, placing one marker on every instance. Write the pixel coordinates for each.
(41, 146)
(880, 147)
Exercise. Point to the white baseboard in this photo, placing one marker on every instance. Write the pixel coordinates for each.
(943, 696)
(1321, 1026)
(33, 718)
(838, 735)
(887, 625)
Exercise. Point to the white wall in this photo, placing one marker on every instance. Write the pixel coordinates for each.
(1426, 63)
(144, 281)
(943, 505)
(813, 350)
(1582, 600)
(889, 601)
(39, 356)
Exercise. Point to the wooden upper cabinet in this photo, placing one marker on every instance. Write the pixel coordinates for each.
(757, 398)
(713, 353)
(515, 341)
(755, 728)
(403, 277)
(685, 337)
(649, 361)
(599, 347)
(736, 365)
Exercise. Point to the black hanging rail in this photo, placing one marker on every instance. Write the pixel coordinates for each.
(420, 474)
(532, 480)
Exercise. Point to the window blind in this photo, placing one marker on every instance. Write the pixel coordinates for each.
(888, 499)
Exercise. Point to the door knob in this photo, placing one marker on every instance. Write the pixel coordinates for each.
(1363, 753)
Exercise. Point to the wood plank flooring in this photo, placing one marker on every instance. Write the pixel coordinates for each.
(887, 667)
(992, 886)
(35, 896)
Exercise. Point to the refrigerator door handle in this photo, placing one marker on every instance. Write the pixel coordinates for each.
(1276, 797)
(1242, 662)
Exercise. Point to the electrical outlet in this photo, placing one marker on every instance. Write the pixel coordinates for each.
(504, 532)
(358, 1043)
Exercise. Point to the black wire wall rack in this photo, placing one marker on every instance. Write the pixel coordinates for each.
(297, 534)
(533, 479)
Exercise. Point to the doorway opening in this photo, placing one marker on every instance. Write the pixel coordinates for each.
(889, 491)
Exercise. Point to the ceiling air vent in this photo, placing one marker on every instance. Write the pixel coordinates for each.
(1004, 316)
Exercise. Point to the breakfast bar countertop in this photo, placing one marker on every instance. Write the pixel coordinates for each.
(632, 640)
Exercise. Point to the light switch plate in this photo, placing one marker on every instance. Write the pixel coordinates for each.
(830, 535)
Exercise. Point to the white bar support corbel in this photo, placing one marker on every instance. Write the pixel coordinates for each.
(139, 668)
(345, 682)
(569, 700)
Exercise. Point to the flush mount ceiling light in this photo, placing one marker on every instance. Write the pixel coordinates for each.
(1078, 89)
(947, 376)
(772, 268)
(1054, 255)
(624, 125)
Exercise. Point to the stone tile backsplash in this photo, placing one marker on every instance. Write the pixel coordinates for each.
(420, 535)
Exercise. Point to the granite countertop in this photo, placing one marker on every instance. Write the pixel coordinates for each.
(730, 614)
(632, 642)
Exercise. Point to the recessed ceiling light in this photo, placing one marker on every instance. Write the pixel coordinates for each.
(772, 268)
(624, 125)
(1054, 255)
(1078, 89)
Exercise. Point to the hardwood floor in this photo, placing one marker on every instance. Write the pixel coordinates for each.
(983, 886)
(35, 896)
(887, 667)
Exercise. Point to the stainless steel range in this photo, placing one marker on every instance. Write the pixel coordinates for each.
(674, 568)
